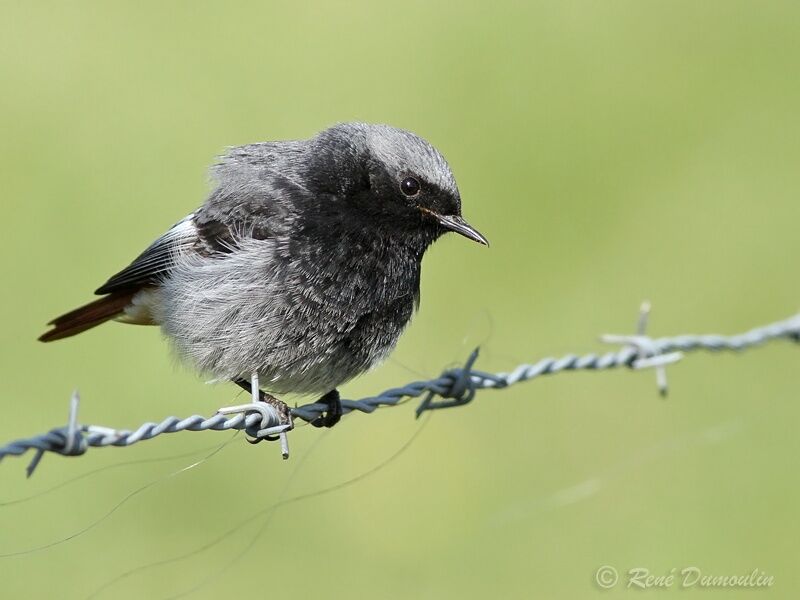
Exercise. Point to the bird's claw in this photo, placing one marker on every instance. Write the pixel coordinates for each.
(334, 413)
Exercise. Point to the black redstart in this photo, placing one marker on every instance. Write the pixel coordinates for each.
(302, 266)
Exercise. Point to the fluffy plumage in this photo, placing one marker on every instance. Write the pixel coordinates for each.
(303, 265)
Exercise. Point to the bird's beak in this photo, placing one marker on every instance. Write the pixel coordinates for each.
(459, 225)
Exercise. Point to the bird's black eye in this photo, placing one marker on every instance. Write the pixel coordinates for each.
(409, 186)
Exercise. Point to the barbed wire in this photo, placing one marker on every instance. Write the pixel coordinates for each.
(454, 387)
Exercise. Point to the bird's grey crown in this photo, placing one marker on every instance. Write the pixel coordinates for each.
(405, 153)
(400, 151)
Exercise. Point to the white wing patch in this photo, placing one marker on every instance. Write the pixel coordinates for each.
(156, 260)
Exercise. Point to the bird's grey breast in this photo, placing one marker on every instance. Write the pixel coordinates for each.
(305, 312)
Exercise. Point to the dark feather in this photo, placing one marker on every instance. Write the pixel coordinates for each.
(87, 316)
(154, 262)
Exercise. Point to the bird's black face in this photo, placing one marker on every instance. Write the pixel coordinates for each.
(419, 202)
(395, 181)
(409, 200)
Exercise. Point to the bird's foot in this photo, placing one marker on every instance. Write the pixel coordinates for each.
(334, 412)
(284, 415)
(285, 422)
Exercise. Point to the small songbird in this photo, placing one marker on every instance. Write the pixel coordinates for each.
(302, 266)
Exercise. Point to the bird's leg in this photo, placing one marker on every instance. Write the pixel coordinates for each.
(334, 412)
(284, 412)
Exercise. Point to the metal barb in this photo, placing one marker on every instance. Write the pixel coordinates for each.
(255, 386)
(270, 420)
(73, 439)
(37, 457)
(72, 423)
(461, 391)
(644, 316)
(648, 354)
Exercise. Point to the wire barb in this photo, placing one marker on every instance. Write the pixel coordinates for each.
(456, 387)
(73, 443)
(461, 391)
(648, 354)
(269, 415)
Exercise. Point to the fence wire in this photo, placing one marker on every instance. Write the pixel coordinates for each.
(454, 387)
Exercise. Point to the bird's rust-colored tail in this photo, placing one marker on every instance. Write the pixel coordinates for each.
(87, 316)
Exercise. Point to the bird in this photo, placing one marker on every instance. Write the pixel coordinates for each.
(302, 267)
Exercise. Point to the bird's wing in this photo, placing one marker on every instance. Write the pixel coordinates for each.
(152, 264)
(244, 206)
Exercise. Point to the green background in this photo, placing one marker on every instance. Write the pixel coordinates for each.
(611, 151)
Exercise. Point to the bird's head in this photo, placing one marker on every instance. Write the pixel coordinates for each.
(402, 181)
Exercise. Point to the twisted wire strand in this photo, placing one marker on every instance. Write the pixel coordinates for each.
(455, 387)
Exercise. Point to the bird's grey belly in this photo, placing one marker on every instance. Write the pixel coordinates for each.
(300, 340)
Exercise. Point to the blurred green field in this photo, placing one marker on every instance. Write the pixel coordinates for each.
(612, 152)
